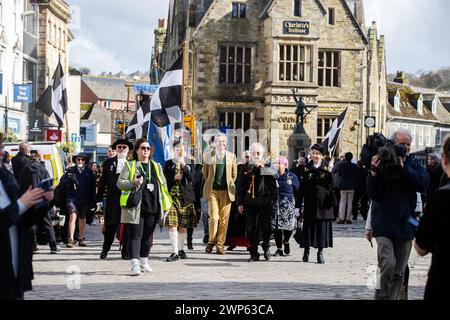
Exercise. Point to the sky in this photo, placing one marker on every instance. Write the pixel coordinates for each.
(117, 35)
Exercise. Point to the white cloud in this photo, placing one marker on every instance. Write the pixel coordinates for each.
(85, 53)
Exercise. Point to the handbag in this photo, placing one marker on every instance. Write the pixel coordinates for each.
(298, 231)
(134, 198)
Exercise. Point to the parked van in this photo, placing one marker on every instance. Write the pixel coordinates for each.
(53, 157)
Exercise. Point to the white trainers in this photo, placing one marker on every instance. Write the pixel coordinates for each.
(145, 266)
(135, 269)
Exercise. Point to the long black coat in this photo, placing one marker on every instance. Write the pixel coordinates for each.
(265, 189)
(107, 187)
(187, 183)
(18, 163)
(11, 287)
(316, 190)
(32, 174)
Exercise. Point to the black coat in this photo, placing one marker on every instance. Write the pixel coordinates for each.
(32, 174)
(10, 286)
(265, 188)
(187, 183)
(347, 173)
(107, 188)
(198, 186)
(80, 186)
(18, 163)
(435, 174)
(316, 188)
(394, 200)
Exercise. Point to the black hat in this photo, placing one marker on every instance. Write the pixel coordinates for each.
(320, 148)
(122, 141)
(86, 158)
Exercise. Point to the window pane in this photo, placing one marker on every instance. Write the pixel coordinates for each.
(281, 53)
(319, 127)
(326, 127)
(221, 117)
(248, 55)
(240, 53)
(243, 10)
(302, 72)
(223, 54)
(247, 74)
(288, 71)
(223, 73)
(320, 59)
(320, 77)
(335, 78)
(328, 58)
(231, 120)
(231, 55)
(231, 73)
(295, 72)
(288, 53)
(246, 122)
(302, 54)
(328, 77)
(336, 59)
(281, 71)
(297, 8)
(239, 73)
(234, 14)
(295, 53)
(238, 120)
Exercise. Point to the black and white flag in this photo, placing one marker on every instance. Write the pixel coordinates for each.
(54, 98)
(138, 127)
(165, 105)
(332, 137)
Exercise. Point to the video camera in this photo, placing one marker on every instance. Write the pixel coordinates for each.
(389, 166)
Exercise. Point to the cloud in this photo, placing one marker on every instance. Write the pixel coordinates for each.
(414, 32)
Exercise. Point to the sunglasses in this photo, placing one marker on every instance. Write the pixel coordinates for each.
(121, 147)
(81, 159)
(145, 148)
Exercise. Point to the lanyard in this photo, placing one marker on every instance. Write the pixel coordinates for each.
(149, 171)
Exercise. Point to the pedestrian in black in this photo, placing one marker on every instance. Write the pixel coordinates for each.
(435, 171)
(107, 189)
(31, 175)
(347, 172)
(21, 159)
(433, 236)
(198, 190)
(361, 199)
(317, 190)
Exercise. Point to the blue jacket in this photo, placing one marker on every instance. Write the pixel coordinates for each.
(288, 186)
(80, 186)
(394, 201)
(348, 174)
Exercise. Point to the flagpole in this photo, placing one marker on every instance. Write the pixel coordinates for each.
(183, 87)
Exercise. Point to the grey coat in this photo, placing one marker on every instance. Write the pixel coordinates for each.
(133, 215)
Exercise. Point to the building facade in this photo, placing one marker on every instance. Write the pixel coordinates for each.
(11, 67)
(245, 58)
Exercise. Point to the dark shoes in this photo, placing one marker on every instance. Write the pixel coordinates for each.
(320, 258)
(279, 252)
(182, 254)
(287, 249)
(173, 257)
(205, 238)
(209, 248)
(189, 245)
(70, 243)
(103, 255)
(253, 258)
(306, 256)
(349, 222)
(267, 254)
(82, 243)
(231, 248)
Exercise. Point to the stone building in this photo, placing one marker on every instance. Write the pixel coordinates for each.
(245, 58)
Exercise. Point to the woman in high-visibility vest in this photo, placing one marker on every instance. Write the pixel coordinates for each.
(140, 221)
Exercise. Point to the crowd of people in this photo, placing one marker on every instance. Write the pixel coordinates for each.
(241, 203)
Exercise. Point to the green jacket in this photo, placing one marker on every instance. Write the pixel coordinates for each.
(133, 215)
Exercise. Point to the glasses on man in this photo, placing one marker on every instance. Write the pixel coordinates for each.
(80, 160)
(145, 148)
(121, 147)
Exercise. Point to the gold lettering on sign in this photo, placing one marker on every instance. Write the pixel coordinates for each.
(236, 104)
(290, 99)
(331, 109)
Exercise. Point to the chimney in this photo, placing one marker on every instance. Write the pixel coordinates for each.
(401, 78)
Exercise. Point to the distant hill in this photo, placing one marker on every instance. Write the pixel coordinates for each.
(427, 79)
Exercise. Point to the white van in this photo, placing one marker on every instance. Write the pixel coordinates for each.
(53, 157)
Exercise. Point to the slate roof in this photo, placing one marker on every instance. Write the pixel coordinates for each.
(101, 116)
(109, 88)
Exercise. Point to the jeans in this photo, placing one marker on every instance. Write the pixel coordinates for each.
(393, 255)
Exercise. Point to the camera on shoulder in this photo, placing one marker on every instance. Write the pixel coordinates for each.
(388, 152)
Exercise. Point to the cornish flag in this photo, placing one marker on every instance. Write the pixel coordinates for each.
(165, 105)
(332, 137)
(54, 98)
(138, 127)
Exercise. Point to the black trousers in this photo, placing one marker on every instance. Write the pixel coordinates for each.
(46, 226)
(279, 235)
(110, 234)
(140, 237)
(190, 231)
(337, 192)
(258, 223)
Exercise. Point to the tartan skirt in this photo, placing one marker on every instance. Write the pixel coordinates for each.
(179, 215)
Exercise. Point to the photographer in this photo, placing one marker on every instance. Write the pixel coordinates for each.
(393, 185)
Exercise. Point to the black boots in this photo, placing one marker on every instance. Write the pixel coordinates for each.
(267, 254)
(279, 252)
(306, 255)
(320, 257)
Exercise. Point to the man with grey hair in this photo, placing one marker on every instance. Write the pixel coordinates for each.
(257, 194)
(21, 159)
(220, 173)
(393, 220)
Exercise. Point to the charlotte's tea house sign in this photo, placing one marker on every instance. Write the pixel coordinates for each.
(296, 27)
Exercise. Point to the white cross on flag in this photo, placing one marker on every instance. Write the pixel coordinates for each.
(332, 137)
(54, 98)
(138, 127)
